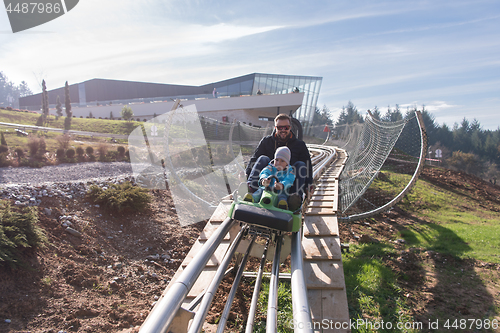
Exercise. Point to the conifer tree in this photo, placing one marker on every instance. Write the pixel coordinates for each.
(3, 142)
(67, 104)
(45, 104)
(58, 107)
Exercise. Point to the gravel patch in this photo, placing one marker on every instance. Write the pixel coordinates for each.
(62, 173)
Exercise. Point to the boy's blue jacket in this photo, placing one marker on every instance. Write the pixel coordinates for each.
(286, 177)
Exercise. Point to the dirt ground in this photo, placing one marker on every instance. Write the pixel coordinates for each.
(104, 281)
(108, 279)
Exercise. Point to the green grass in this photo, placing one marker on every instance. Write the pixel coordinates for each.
(285, 311)
(118, 127)
(372, 290)
(78, 124)
(458, 224)
(446, 221)
(451, 221)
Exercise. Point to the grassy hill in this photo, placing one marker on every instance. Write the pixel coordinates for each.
(435, 258)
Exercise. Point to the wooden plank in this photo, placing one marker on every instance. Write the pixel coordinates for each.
(335, 203)
(326, 180)
(320, 303)
(320, 211)
(321, 226)
(221, 211)
(204, 280)
(335, 305)
(326, 184)
(325, 192)
(315, 301)
(323, 274)
(209, 230)
(322, 197)
(322, 248)
(215, 259)
(321, 204)
(335, 311)
(326, 188)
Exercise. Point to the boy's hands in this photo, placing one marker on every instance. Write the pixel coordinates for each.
(266, 181)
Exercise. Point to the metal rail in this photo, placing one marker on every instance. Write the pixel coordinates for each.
(165, 310)
(301, 312)
(199, 318)
(256, 291)
(234, 288)
(272, 306)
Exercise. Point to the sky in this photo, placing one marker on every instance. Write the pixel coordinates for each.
(438, 53)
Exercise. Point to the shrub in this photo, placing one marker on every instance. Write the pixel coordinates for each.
(111, 156)
(19, 152)
(121, 150)
(89, 150)
(36, 146)
(119, 198)
(4, 161)
(80, 151)
(3, 149)
(63, 141)
(18, 233)
(60, 154)
(70, 153)
(102, 149)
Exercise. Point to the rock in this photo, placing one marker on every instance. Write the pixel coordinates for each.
(47, 211)
(365, 239)
(153, 257)
(73, 232)
(401, 241)
(114, 285)
(117, 265)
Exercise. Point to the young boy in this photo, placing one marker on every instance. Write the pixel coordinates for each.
(278, 167)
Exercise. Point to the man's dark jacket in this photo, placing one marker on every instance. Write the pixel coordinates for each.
(268, 145)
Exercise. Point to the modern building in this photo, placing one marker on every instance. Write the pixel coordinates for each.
(257, 103)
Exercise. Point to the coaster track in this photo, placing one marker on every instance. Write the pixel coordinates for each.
(179, 311)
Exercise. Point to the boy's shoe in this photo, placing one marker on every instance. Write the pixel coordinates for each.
(248, 197)
(283, 205)
(295, 202)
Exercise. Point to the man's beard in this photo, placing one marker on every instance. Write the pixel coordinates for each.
(283, 137)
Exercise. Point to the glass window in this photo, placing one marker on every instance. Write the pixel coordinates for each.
(246, 87)
(221, 91)
(233, 89)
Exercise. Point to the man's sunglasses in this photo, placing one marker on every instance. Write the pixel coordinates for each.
(283, 128)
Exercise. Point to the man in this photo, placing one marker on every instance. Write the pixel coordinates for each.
(300, 159)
